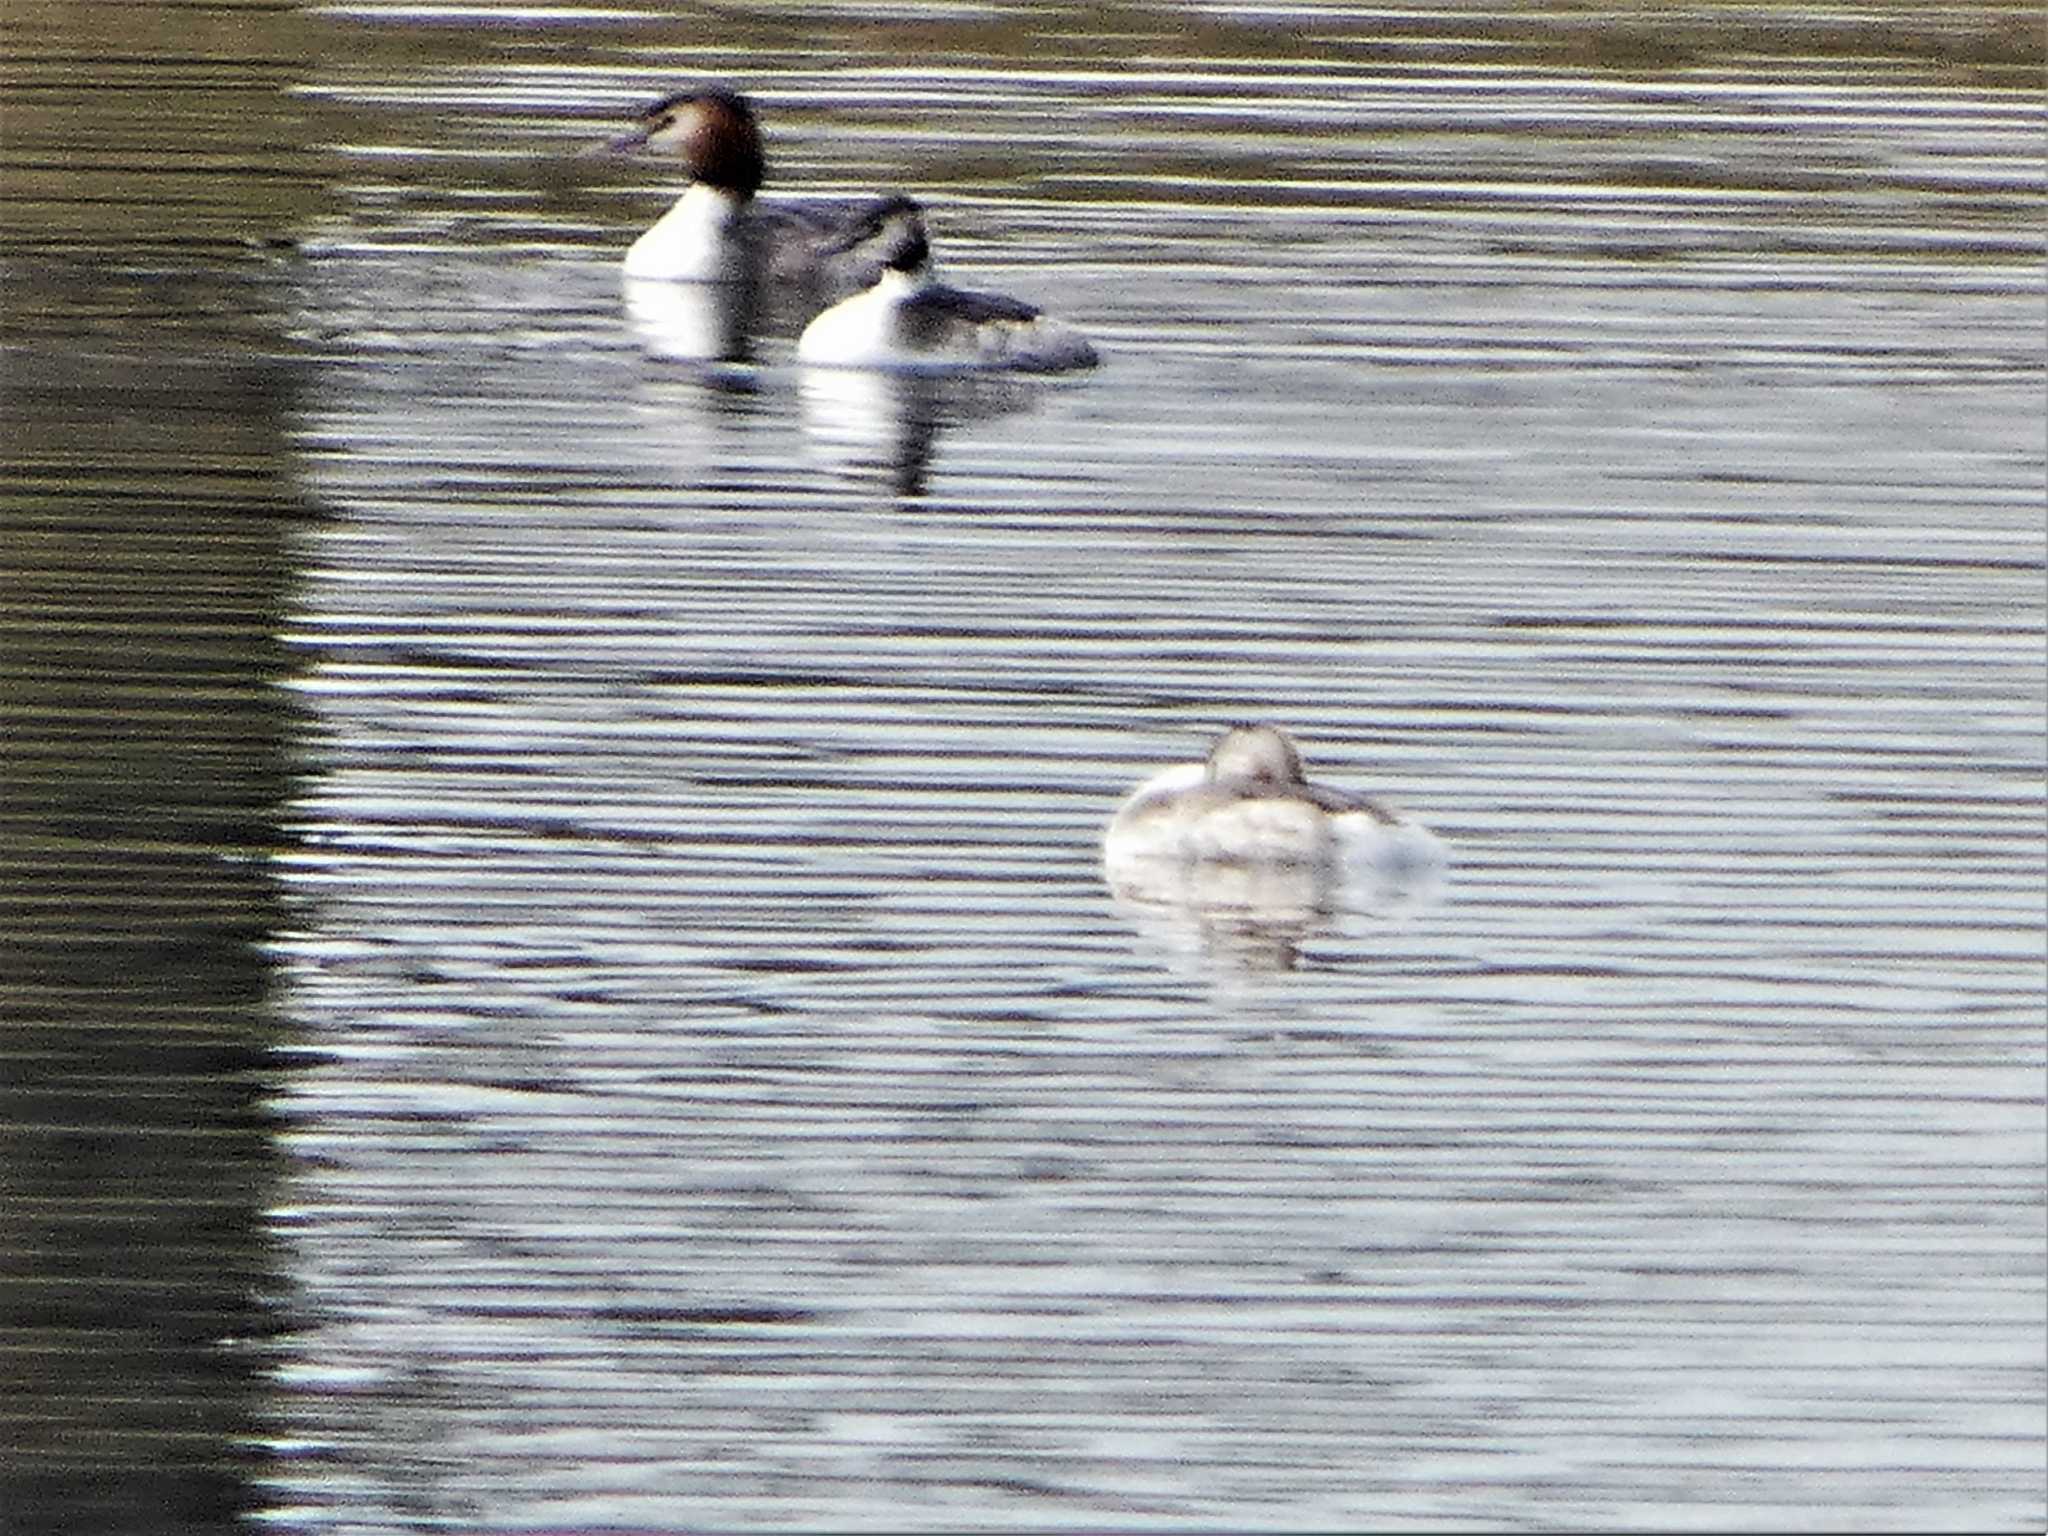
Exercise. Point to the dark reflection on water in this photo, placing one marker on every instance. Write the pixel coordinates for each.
(722, 1090)
(145, 507)
(141, 769)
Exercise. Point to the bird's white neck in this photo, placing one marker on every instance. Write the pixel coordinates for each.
(698, 240)
(893, 284)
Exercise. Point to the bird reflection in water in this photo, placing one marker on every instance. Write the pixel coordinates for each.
(693, 322)
(875, 425)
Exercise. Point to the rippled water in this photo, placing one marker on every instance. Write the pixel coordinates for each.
(716, 1086)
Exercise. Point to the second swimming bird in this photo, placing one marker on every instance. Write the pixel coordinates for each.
(907, 319)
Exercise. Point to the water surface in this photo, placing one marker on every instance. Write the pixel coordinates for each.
(716, 1087)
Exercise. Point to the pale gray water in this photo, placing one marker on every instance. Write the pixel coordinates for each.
(720, 1091)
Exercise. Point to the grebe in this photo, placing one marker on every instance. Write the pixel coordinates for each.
(909, 320)
(1248, 803)
(717, 232)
